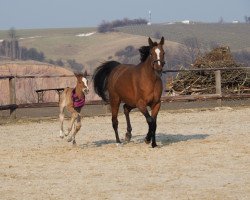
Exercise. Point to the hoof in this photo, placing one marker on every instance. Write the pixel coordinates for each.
(74, 142)
(119, 144)
(128, 137)
(154, 145)
(147, 141)
(69, 139)
(61, 134)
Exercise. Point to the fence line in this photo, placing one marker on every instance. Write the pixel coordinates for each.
(12, 106)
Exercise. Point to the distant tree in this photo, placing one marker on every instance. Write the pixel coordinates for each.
(221, 20)
(242, 57)
(193, 48)
(14, 47)
(213, 44)
(129, 51)
(247, 19)
(59, 62)
(126, 55)
(110, 26)
(50, 61)
(12, 33)
(74, 65)
(33, 54)
(157, 35)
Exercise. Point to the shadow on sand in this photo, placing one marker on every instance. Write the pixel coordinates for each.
(161, 139)
(166, 139)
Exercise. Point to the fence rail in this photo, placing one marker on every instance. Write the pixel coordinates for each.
(12, 106)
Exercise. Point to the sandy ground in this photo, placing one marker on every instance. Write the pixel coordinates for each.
(201, 155)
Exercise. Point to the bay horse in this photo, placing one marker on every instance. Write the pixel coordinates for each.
(73, 99)
(138, 86)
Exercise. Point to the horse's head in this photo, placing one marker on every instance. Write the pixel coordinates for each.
(157, 54)
(82, 83)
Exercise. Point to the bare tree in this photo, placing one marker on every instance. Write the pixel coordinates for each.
(14, 48)
(193, 47)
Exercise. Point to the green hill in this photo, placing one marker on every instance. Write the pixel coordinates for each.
(236, 36)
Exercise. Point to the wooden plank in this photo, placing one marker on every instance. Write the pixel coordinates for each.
(12, 95)
(205, 69)
(6, 77)
(8, 107)
(49, 89)
(203, 97)
(218, 85)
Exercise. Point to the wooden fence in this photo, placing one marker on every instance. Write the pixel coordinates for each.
(12, 106)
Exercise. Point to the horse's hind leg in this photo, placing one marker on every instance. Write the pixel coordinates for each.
(127, 110)
(61, 117)
(114, 109)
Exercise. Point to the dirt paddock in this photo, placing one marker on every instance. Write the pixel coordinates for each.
(200, 155)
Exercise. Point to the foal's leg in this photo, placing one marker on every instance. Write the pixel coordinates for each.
(77, 128)
(127, 110)
(74, 115)
(61, 117)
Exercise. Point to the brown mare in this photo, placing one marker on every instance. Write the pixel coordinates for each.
(73, 99)
(137, 86)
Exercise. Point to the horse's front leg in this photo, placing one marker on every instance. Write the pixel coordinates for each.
(76, 129)
(142, 106)
(74, 115)
(127, 110)
(151, 120)
(61, 117)
(154, 112)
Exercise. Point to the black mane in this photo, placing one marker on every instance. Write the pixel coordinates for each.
(144, 52)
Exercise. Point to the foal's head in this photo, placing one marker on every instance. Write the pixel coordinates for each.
(82, 83)
(157, 54)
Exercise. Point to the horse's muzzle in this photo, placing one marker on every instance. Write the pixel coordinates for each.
(86, 91)
(158, 66)
(161, 62)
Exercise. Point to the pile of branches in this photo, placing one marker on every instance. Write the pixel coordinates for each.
(203, 82)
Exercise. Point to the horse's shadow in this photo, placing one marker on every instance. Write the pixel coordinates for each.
(161, 138)
(167, 139)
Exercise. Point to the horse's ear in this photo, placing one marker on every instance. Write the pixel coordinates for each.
(78, 76)
(162, 41)
(150, 42)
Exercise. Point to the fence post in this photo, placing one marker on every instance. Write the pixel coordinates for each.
(12, 89)
(218, 84)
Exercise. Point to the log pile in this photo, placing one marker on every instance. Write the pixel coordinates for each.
(203, 82)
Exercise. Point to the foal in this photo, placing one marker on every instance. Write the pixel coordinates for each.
(73, 99)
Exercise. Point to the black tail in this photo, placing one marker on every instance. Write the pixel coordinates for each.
(100, 78)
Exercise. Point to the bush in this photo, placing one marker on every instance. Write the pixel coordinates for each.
(74, 65)
(242, 57)
(110, 26)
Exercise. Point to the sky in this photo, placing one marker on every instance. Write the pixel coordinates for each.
(32, 14)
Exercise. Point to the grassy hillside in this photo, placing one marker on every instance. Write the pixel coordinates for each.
(47, 32)
(237, 36)
(91, 50)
